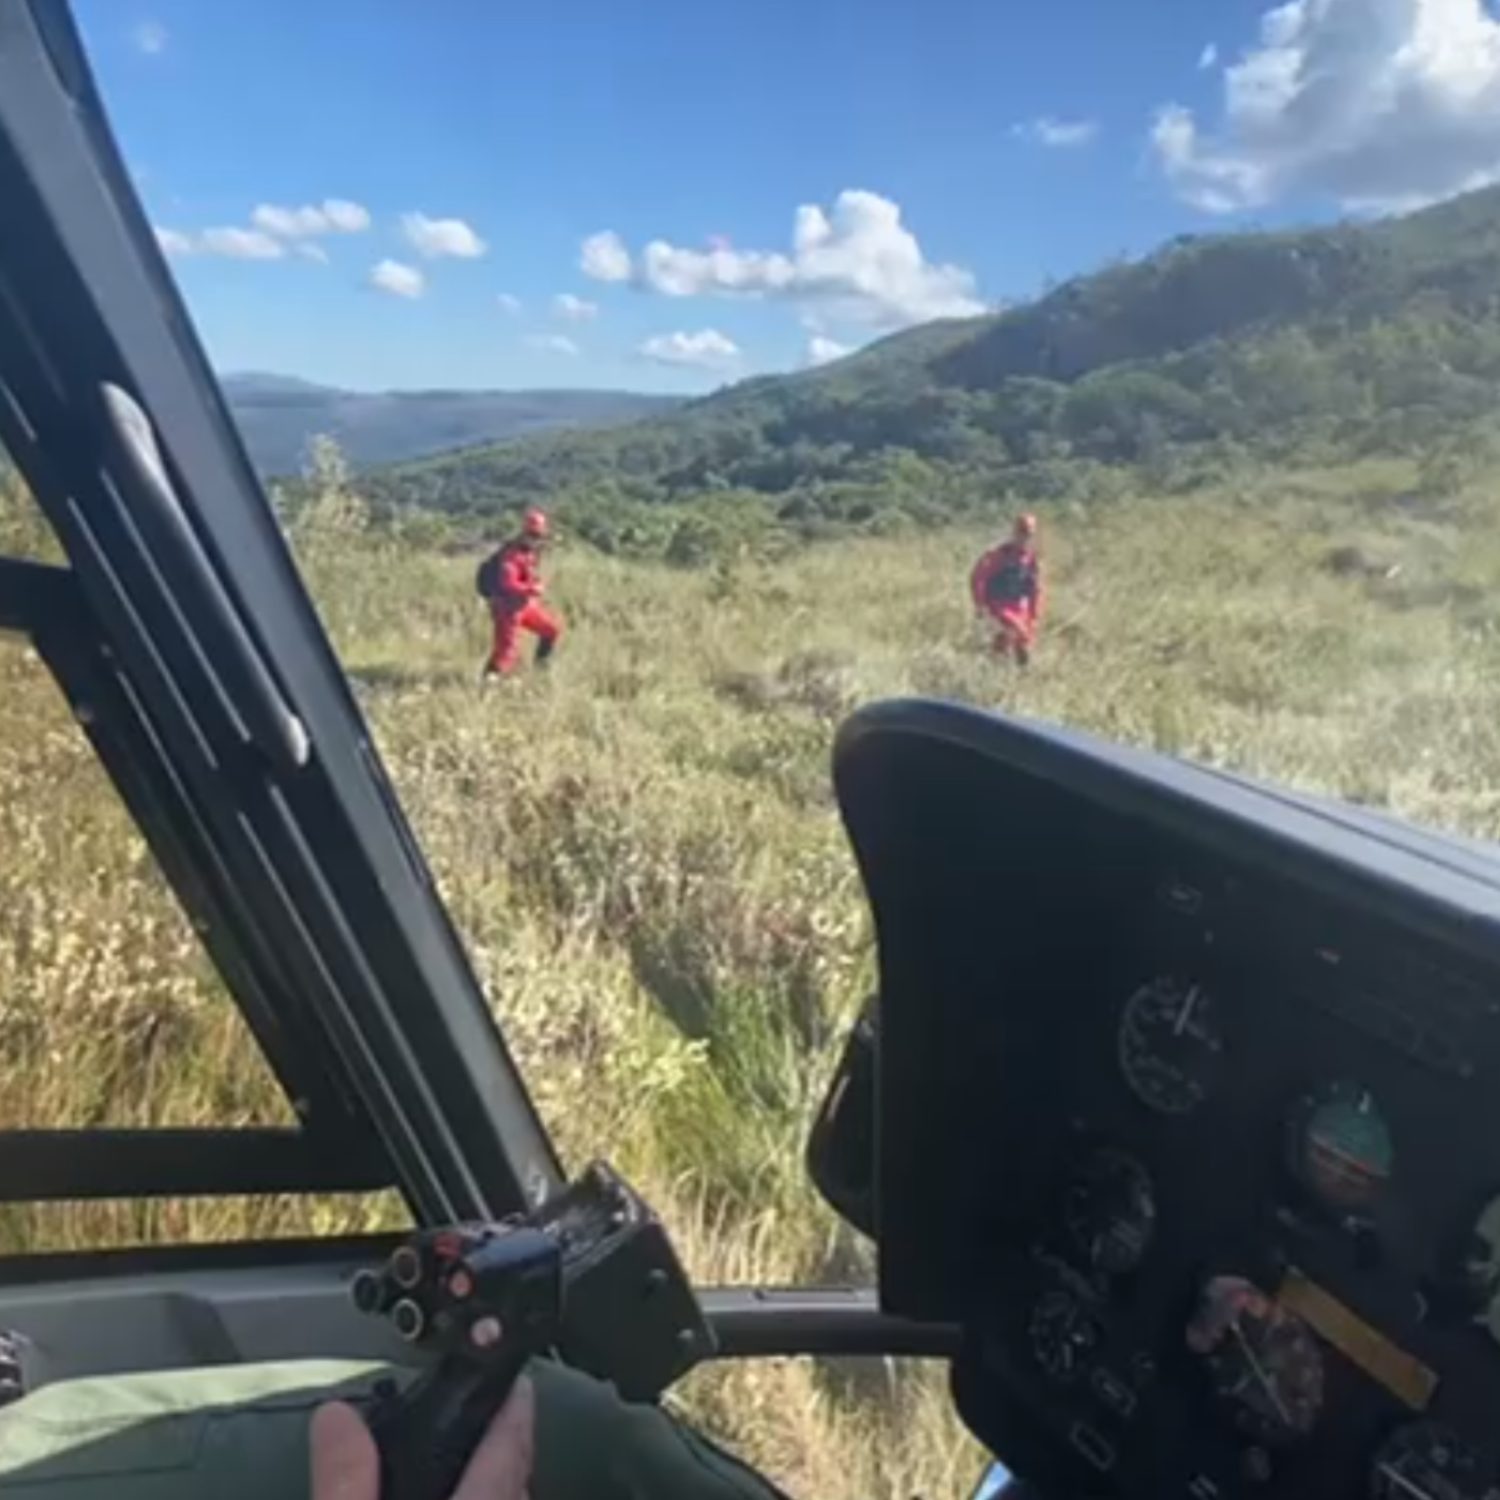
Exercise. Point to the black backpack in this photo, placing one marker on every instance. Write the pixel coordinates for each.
(487, 577)
(1012, 581)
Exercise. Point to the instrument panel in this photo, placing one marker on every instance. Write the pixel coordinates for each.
(1268, 1258)
(1207, 1162)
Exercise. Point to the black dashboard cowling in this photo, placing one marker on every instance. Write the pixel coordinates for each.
(1041, 900)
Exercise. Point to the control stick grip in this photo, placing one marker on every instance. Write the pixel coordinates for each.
(480, 1299)
(427, 1438)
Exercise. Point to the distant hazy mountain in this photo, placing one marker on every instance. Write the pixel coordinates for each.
(277, 414)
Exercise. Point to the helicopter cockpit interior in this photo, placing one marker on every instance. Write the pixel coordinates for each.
(1176, 1123)
(1182, 1115)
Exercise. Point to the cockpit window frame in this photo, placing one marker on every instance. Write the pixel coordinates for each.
(331, 1149)
(183, 637)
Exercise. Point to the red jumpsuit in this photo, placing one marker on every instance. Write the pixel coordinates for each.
(516, 606)
(1007, 586)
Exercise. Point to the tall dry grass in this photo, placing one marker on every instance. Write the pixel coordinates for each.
(642, 852)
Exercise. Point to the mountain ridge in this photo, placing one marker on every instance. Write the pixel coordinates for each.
(1340, 341)
(278, 414)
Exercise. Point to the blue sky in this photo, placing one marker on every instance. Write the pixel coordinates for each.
(944, 156)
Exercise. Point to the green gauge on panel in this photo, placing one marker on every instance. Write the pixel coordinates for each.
(1340, 1148)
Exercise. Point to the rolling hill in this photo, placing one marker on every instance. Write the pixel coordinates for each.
(1340, 341)
(278, 414)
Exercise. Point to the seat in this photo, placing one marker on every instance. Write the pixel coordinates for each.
(239, 1432)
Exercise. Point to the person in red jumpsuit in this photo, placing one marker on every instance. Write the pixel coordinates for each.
(1007, 586)
(515, 602)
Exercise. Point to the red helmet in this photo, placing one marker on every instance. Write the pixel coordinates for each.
(1026, 524)
(534, 523)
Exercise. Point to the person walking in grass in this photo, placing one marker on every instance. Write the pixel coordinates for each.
(1006, 586)
(510, 581)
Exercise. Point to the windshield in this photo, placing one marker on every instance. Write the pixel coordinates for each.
(640, 394)
(112, 1014)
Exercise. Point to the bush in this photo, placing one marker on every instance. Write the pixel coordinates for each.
(24, 531)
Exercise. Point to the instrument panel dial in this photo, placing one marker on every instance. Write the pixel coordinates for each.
(1341, 1148)
(1063, 1334)
(1263, 1362)
(1171, 1048)
(1110, 1211)
(1424, 1461)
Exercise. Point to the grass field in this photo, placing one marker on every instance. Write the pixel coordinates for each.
(642, 852)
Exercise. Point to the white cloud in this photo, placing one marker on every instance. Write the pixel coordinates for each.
(275, 231)
(435, 238)
(605, 258)
(1379, 104)
(1059, 134)
(678, 272)
(346, 217)
(173, 241)
(240, 244)
(821, 349)
(574, 309)
(553, 343)
(150, 37)
(332, 216)
(859, 260)
(1208, 57)
(507, 303)
(707, 349)
(398, 279)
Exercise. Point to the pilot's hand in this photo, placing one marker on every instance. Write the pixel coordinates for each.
(346, 1465)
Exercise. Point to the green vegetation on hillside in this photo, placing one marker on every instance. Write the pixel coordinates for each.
(643, 856)
(1210, 357)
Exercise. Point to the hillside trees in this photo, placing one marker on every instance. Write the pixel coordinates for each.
(1272, 349)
